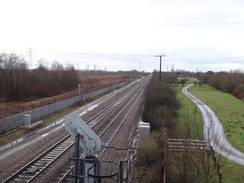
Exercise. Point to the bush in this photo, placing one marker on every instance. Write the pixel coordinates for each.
(150, 160)
(161, 105)
(148, 151)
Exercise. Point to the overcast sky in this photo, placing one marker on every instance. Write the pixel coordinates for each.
(195, 35)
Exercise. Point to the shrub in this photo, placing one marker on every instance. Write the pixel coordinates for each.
(148, 151)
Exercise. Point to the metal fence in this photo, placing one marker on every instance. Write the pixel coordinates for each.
(17, 120)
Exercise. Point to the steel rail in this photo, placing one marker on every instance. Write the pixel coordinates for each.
(36, 159)
(127, 108)
(112, 107)
(138, 94)
(131, 103)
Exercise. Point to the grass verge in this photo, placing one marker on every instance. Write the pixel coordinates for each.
(232, 172)
(190, 119)
(229, 110)
(230, 113)
(190, 122)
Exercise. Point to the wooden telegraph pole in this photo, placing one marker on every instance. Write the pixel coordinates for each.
(160, 56)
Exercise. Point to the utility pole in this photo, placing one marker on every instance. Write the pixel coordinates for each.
(160, 56)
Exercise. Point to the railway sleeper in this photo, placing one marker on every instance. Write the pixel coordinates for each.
(43, 162)
(22, 179)
(68, 142)
(51, 155)
(32, 170)
(26, 176)
(40, 164)
(62, 148)
(47, 159)
(56, 153)
(59, 149)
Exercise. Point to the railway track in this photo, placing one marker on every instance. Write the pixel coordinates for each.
(34, 169)
(109, 137)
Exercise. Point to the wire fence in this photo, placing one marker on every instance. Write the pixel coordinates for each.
(17, 120)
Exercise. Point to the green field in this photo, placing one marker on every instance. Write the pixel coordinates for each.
(190, 118)
(230, 112)
(232, 172)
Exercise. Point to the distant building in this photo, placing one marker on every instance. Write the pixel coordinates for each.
(180, 75)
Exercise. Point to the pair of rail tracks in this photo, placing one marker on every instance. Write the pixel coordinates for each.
(33, 169)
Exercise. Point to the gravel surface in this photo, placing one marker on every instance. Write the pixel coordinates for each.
(14, 157)
(122, 141)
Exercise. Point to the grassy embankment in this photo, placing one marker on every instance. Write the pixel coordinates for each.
(190, 118)
(230, 112)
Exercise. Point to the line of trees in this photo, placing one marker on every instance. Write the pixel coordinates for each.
(18, 82)
(229, 82)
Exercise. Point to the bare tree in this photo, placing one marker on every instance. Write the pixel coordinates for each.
(13, 72)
